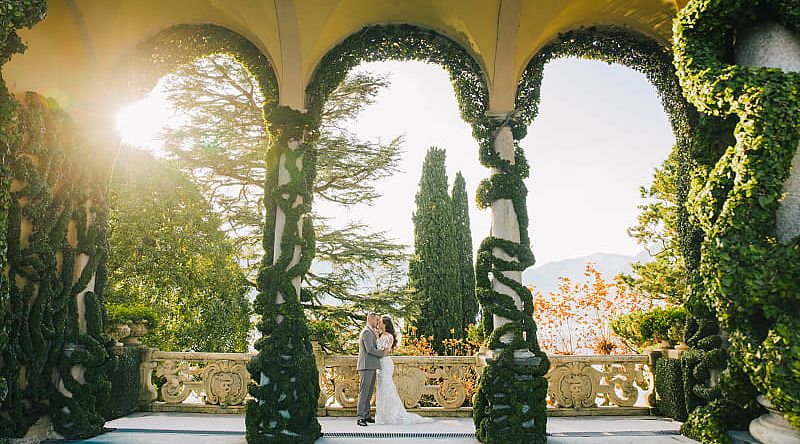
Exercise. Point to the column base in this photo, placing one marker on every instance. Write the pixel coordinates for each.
(41, 430)
(772, 427)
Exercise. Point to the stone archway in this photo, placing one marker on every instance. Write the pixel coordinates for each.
(293, 235)
(700, 141)
(57, 225)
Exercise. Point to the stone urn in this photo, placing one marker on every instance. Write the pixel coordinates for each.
(138, 329)
(119, 331)
(772, 427)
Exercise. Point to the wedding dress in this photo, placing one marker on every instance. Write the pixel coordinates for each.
(389, 408)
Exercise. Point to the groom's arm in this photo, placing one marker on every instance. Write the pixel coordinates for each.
(370, 344)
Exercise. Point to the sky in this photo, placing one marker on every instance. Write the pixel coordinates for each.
(600, 132)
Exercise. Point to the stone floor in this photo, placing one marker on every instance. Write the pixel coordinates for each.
(174, 428)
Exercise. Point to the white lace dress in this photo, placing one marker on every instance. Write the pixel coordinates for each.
(389, 408)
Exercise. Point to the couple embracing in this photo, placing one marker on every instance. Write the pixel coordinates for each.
(374, 356)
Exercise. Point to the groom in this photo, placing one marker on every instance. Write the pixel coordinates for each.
(368, 356)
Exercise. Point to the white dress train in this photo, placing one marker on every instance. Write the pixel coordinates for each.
(389, 408)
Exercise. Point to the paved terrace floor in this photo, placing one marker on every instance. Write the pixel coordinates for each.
(175, 428)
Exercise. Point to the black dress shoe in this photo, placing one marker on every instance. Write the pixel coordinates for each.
(362, 422)
(370, 419)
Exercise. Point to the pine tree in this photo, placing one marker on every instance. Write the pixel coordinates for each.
(220, 143)
(434, 270)
(463, 239)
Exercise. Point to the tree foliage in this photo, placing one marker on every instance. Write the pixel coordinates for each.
(221, 143)
(463, 239)
(657, 229)
(575, 318)
(434, 269)
(168, 252)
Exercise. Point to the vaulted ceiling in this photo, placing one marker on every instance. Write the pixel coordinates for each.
(75, 49)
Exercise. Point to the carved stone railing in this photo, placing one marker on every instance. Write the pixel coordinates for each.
(613, 384)
(194, 382)
(432, 385)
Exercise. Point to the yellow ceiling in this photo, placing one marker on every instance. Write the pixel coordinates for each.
(73, 52)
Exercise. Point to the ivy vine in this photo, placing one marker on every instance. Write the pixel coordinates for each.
(285, 381)
(22, 14)
(56, 193)
(183, 44)
(749, 276)
(270, 417)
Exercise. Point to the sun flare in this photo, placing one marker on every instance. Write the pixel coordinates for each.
(142, 123)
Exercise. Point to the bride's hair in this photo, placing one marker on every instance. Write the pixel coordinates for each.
(388, 327)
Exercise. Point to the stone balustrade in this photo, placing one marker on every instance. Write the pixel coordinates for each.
(194, 382)
(431, 385)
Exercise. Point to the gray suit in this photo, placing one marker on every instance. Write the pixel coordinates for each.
(368, 356)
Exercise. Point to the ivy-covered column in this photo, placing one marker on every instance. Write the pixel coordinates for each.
(57, 359)
(510, 402)
(20, 14)
(750, 269)
(287, 383)
(770, 45)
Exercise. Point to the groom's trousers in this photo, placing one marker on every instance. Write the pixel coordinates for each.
(366, 387)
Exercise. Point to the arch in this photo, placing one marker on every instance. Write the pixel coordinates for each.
(403, 42)
(700, 141)
(612, 45)
(291, 171)
(186, 43)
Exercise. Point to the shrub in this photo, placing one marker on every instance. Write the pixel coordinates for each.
(123, 313)
(643, 329)
(574, 319)
(125, 385)
(669, 388)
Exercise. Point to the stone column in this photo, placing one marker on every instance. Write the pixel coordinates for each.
(505, 225)
(280, 221)
(280, 227)
(768, 44)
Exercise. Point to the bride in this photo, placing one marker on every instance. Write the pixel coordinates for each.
(389, 407)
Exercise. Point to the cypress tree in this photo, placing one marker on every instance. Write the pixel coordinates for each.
(434, 269)
(463, 239)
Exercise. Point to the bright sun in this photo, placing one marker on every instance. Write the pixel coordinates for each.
(141, 123)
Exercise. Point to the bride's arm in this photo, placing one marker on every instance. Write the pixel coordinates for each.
(389, 343)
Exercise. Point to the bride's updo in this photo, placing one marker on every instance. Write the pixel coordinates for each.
(388, 327)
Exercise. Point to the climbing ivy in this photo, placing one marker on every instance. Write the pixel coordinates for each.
(183, 44)
(749, 276)
(284, 408)
(56, 231)
(22, 14)
(63, 197)
(285, 384)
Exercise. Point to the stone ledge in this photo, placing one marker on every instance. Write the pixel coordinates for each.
(192, 408)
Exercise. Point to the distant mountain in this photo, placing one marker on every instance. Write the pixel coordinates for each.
(545, 276)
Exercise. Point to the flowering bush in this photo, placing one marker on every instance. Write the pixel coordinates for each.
(575, 318)
(414, 345)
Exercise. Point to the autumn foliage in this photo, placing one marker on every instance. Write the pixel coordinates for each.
(575, 319)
